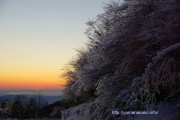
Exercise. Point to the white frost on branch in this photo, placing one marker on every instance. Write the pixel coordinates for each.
(160, 55)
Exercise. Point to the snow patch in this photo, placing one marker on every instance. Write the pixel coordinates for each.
(161, 54)
(75, 113)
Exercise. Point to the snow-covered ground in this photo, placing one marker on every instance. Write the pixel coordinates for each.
(76, 113)
(165, 111)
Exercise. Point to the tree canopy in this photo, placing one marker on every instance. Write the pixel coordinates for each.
(132, 57)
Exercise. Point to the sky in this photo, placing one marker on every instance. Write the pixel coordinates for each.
(39, 37)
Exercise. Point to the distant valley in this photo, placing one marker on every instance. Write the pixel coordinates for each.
(49, 99)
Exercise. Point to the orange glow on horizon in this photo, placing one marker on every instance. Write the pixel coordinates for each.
(37, 85)
(30, 76)
(31, 81)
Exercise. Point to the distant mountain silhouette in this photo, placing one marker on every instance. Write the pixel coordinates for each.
(50, 99)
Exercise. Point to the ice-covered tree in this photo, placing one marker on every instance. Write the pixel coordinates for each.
(133, 47)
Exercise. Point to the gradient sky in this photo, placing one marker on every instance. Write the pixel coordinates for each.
(38, 37)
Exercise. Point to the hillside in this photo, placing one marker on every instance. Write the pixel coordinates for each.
(131, 63)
